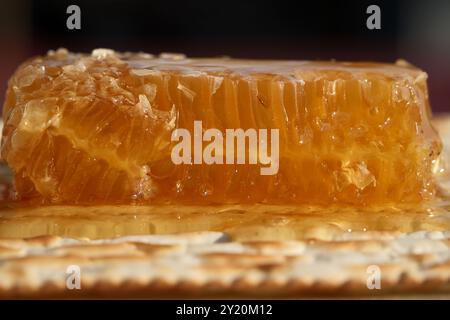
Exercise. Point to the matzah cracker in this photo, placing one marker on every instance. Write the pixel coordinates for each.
(207, 264)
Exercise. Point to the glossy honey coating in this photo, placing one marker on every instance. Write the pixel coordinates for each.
(89, 129)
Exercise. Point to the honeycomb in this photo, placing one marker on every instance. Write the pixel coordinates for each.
(97, 129)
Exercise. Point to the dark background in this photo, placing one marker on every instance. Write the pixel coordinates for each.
(418, 31)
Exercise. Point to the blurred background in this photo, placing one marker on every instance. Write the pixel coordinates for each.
(418, 31)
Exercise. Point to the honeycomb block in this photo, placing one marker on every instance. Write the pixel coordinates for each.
(98, 128)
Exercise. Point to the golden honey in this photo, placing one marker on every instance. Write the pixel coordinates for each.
(240, 222)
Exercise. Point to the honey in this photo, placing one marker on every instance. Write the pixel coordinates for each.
(240, 222)
(96, 129)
